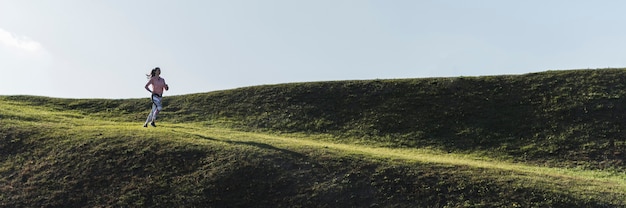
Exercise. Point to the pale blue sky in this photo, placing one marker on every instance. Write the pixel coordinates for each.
(103, 49)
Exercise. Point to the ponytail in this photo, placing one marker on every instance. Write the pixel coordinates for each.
(152, 73)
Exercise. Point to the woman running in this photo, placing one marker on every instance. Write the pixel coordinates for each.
(158, 85)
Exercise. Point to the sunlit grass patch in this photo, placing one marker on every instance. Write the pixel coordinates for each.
(576, 182)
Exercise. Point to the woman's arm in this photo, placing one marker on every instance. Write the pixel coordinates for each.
(148, 84)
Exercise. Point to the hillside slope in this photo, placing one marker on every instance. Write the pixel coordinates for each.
(549, 139)
(550, 118)
(69, 158)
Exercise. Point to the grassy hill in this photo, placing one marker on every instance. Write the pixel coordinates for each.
(550, 139)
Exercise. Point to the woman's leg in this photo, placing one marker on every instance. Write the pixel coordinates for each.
(155, 113)
(150, 115)
(158, 106)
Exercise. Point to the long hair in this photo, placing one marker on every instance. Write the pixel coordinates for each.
(152, 73)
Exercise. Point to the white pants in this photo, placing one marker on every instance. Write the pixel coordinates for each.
(156, 107)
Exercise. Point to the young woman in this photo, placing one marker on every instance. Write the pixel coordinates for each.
(158, 85)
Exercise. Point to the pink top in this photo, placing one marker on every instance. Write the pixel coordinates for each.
(158, 84)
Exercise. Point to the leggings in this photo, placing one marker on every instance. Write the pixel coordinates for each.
(156, 108)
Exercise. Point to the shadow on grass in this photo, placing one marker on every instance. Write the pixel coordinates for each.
(255, 144)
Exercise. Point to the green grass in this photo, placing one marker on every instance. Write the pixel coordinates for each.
(539, 140)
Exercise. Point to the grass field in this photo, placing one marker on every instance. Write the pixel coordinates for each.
(270, 146)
